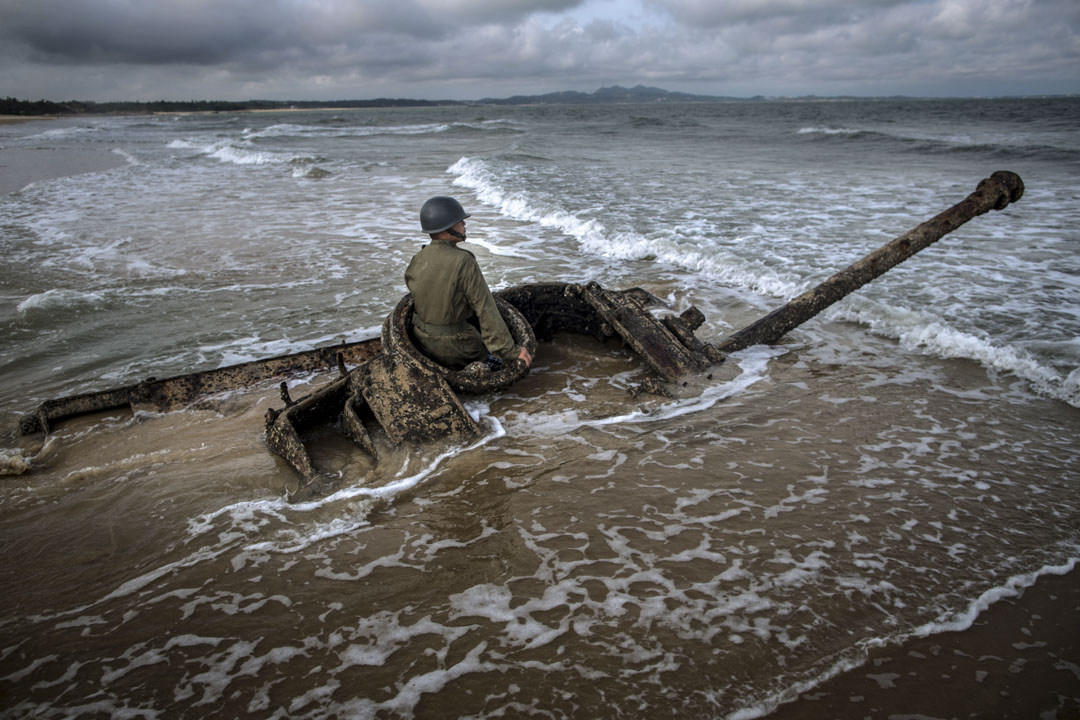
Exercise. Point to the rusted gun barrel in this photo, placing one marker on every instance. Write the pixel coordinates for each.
(993, 193)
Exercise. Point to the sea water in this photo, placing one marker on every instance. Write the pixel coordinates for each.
(875, 476)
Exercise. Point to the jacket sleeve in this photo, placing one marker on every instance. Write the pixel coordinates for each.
(493, 330)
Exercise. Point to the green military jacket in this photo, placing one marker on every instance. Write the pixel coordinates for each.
(448, 290)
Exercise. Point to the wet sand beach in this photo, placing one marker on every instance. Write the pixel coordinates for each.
(1019, 659)
(21, 166)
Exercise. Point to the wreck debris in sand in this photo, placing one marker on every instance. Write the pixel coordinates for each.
(415, 399)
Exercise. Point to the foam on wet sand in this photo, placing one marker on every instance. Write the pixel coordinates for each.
(1020, 658)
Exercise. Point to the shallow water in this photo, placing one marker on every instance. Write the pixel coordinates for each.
(866, 481)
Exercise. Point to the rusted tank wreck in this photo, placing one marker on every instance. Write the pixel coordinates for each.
(391, 384)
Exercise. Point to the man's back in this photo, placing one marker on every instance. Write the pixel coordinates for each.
(449, 290)
(435, 278)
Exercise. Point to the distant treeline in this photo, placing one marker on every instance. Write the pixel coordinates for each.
(605, 95)
(13, 106)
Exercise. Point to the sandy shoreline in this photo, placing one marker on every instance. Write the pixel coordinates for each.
(20, 166)
(1020, 659)
(7, 119)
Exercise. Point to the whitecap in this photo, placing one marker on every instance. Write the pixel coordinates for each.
(128, 157)
(234, 152)
(918, 330)
(58, 299)
(242, 156)
(827, 131)
(61, 133)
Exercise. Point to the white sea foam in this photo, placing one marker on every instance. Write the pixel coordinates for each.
(128, 157)
(953, 622)
(63, 133)
(947, 137)
(923, 331)
(291, 130)
(1014, 586)
(116, 256)
(385, 634)
(496, 249)
(828, 131)
(236, 152)
(250, 516)
(248, 348)
(403, 484)
(13, 462)
(753, 362)
(343, 130)
(59, 299)
(246, 156)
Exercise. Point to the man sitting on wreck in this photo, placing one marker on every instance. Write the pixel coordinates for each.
(451, 298)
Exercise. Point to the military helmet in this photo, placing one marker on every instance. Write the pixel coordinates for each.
(441, 213)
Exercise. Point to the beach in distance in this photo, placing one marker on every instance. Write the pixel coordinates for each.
(19, 167)
(877, 517)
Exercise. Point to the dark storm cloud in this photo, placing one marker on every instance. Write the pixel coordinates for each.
(299, 49)
(199, 32)
(945, 46)
(208, 32)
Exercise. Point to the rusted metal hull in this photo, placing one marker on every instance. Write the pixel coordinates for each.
(181, 391)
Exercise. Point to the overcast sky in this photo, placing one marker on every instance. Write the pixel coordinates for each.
(470, 49)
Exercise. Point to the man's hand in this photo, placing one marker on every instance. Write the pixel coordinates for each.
(524, 355)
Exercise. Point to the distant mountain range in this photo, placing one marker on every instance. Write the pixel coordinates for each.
(645, 94)
(613, 94)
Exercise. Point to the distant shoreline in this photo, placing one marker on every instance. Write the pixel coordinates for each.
(20, 167)
(604, 96)
(11, 107)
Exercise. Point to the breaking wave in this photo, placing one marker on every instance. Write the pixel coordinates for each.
(59, 299)
(238, 153)
(292, 130)
(596, 238)
(1002, 145)
(923, 332)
